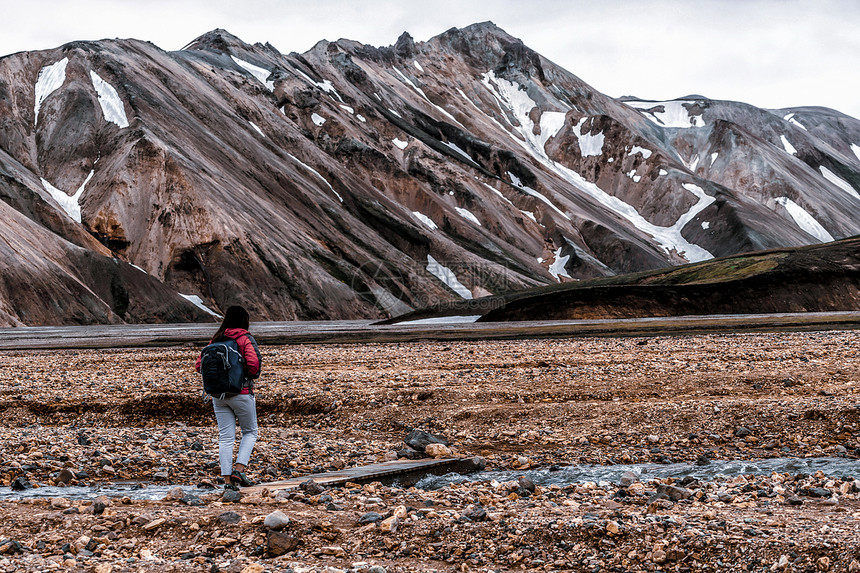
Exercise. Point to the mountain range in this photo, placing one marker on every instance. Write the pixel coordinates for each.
(351, 181)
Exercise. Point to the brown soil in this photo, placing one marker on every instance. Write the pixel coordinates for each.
(135, 414)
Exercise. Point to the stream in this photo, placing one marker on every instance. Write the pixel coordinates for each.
(834, 467)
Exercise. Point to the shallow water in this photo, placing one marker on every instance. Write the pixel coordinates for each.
(835, 467)
(132, 490)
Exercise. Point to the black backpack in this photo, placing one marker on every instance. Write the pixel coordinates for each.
(223, 369)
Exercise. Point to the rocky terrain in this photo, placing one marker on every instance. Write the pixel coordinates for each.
(138, 416)
(360, 182)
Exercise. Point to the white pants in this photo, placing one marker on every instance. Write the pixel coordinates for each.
(244, 408)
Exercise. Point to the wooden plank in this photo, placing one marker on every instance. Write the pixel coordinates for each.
(407, 472)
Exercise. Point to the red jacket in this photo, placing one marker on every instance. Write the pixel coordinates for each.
(250, 352)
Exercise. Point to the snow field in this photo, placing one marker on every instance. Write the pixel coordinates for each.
(804, 220)
(112, 106)
(646, 153)
(468, 215)
(71, 205)
(789, 148)
(198, 302)
(260, 73)
(556, 269)
(426, 220)
(839, 182)
(590, 144)
(318, 120)
(447, 276)
(51, 78)
(674, 113)
(399, 144)
(257, 127)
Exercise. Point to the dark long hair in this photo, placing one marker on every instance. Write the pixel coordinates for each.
(235, 317)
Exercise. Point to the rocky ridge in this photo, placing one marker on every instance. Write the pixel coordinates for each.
(352, 181)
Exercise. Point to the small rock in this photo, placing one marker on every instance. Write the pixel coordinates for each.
(409, 454)
(627, 479)
(276, 520)
(65, 476)
(231, 496)
(742, 432)
(175, 493)
(793, 500)
(781, 564)
(419, 440)
(311, 487)
(369, 517)
(818, 492)
(60, 503)
(390, 456)
(191, 500)
(854, 566)
(278, 543)
(437, 451)
(675, 493)
(653, 439)
(9, 547)
(475, 513)
(153, 524)
(160, 476)
(377, 569)
(229, 517)
(823, 563)
(335, 550)
(526, 483)
(103, 568)
(612, 527)
(389, 525)
(21, 483)
(400, 512)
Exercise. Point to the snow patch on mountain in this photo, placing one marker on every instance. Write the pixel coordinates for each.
(324, 85)
(668, 238)
(260, 73)
(856, 150)
(790, 119)
(663, 172)
(468, 215)
(714, 158)
(317, 173)
(51, 78)
(418, 66)
(347, 109)
(112, 106)
(589, 144)
(789, 148)
(198, 302)
(420, 91)
(646, 153)
(257, 127)
(674, 113)
(556, 269)
(804, 220)
(70, 204)
(463, 319)
(425, 219)
(517, 183)
(448, 277)
(839, 182)
(318, 120)
(632, 175)
(453, 147)
(399, 143)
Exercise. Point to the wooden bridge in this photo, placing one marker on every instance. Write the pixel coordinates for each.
(405, 472)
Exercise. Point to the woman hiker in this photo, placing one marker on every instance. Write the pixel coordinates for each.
(241, 406)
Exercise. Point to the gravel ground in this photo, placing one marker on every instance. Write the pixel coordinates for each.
(85, 417)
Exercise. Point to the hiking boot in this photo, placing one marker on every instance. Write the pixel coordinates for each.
(241, 479)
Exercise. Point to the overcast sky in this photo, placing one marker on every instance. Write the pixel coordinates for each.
(770, 53)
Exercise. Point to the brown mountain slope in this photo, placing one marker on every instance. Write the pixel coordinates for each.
(352, 181)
